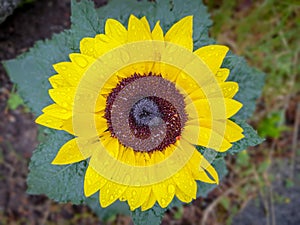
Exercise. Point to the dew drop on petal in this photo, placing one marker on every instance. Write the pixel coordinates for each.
(80, 61)
(171, 188)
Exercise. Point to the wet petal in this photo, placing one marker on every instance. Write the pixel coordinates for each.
(184, 181)
(136, 196)
(157, 33)
(70, 153)
(164, 192)
(57, 111)
(213, 56)
(93, 181)
(110, 193)
(181, 33)
(137, 31)
(116, 30)
(150, 202)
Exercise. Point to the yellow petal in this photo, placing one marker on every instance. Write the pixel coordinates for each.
(137, 31)
(146, 23)
(181, 33)
(205, 137)
(140, 158)
(185, 82)
(116, 30)
(50, 121)
(111, 144)
(230, 130)
(164, 192)
(83, 62)
(222, 74)
(197, 171)
(93, 181)
(232, 107)
(197, 94)
(204, 108)
(210, 169)
(57, 111)
(229, 89)
(136, 196)
(182, 196)
(63, 96)
(87, 46)
(104, 44)
(68, 126)
(69, 71)
(184, 181)
(70, 153)
(110, 193)
(128, 156)
(157, 33)
(58, 81)
(213, 56)
(150, 202)
(233, 131)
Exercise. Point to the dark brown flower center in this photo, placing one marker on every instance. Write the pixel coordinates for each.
(145, 112)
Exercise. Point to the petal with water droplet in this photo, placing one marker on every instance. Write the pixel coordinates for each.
(213, 56)
(181, 33)
(93, 181)
(71, 153)
(137, 31)
(110, 193)
(116, 30)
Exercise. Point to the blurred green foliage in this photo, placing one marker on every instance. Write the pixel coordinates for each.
(14, 100)
(272, 125)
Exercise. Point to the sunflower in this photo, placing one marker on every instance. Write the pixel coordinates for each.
(138, 102)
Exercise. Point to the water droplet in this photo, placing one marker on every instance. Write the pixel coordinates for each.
(81, 61)
(63, 68)
(171, 188)
(163, 201)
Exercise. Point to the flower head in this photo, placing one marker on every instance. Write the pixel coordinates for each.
(138, 102)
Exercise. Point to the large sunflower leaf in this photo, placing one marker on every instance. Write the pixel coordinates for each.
(60, 183)
(151, 216)
(31, 70)
(109, 212)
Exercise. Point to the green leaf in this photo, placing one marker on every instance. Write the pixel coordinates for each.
(107, 213)
(14, 101)
(152, 216)
(60, 183)
(31, 70)
(85, 21)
